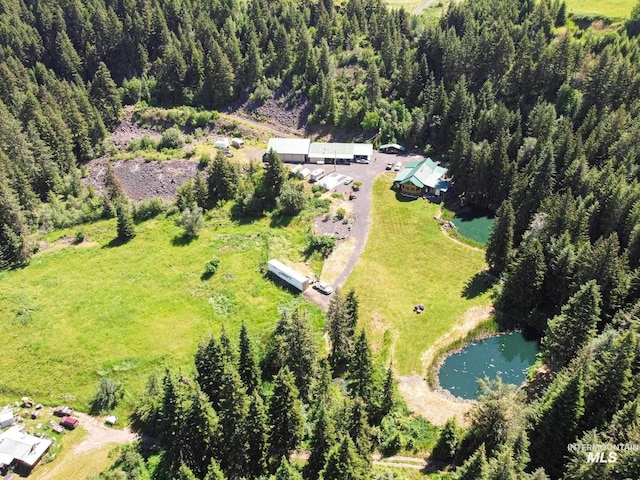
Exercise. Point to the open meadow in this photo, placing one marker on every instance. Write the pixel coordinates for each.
(613, 9)
(78, 313)
(409, 261)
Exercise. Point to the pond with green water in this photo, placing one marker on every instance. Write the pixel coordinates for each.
(508, 356)
(474, 224)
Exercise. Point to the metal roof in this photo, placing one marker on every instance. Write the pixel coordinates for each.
(290, 146)
(289, 271)
(331, 150)
(22, 446)
(392, 145)
(362, 149)
(424, 173)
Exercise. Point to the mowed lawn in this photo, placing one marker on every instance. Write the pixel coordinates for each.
(408, 261)
(614, 9)
(78, 313)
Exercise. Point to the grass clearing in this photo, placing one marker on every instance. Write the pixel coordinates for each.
(613, 9)
(408, 261)
(77, 314)
(83, 465)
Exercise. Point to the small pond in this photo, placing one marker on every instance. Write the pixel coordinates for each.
(474, 224)
(508, 355)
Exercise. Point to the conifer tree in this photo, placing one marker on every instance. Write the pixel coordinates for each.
(223, 180)
(447, 445)
(344, 463)
(126, 230)
(500, 243)
(556, 423)
(285, 415)
(359, 430)
(214, 472)
(257, 436)
(200, 191)
(389, 397)
(105, 96)
(568, 332)
(247, 366)
(210, 360)
(322, 440)
(341, 345)
(302, 354)
(233, 412)
(273, 180)
(286, 471)
(170, 419)
(361, 371)
(351, 306)
(475, 468)
(185, 473)
(200, 435)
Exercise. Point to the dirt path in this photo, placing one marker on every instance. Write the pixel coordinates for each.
(438, 406)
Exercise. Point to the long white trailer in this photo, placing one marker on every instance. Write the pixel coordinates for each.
(289, 275)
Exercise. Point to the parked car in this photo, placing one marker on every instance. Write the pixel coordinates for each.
(323, 287)
(389, 166)
(348, 180)
(69, 423)
(62, 411)
(397, 167)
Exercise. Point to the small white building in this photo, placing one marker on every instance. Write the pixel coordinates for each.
(237, 142)
(290, 150)
(332, 181)
(6, 417)
(222, 144)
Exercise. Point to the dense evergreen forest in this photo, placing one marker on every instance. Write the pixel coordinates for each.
(537, 118)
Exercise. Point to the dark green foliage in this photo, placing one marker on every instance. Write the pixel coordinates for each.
(105, 96)
(223, 180)
(475, 468)
(359, 430)
(323, 244)
(445, 449)
(568, 332)
(273, 180)
(344, 463)
(341, 318)
(257, 436)
(322, 440)
(500, 244)
(171, 139)
(361, 371)
(287, 472)
(285, 415)
(126, 230)
(292, 198)
(148, 209)
(210, 361)
(200, 434)
(247, 366)
(556, 424)
(211, 267)
(108, 395)
(214, 472)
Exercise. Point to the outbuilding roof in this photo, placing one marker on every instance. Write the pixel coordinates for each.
(25, 448)
(423, 173)
(331, 150)
(291, 146)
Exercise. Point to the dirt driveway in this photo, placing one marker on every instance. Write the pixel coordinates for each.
(360, 216)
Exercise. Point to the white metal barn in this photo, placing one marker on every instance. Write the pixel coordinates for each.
(290, 150)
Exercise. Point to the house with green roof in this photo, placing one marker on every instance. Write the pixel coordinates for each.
(422, 178)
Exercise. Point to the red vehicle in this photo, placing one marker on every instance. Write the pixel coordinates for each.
(69, 423)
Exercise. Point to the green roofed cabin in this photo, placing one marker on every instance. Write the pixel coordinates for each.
(422, 178)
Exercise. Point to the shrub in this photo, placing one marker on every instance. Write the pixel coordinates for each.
(357, 184)
(125, 223)
(192, 221)
(148, 209)
(211, 267)
(292, 199)
(324, 244)
(340, 213)
(79, 237)
(171, 139)
(205, 160)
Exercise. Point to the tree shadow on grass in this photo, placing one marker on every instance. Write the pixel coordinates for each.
(403, 198)
(280, 221)
(116, 242)
(478, 284)
(182, 240)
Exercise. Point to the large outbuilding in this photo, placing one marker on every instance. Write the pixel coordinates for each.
(290, 150)
(21, 450)
(297, 150)
(422, 178)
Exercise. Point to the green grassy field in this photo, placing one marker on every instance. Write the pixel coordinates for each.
(77, 313)
(408, 261)
(614, 9)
